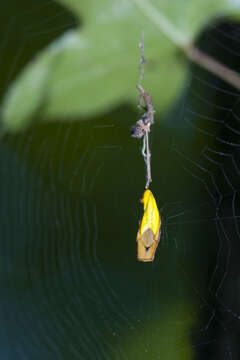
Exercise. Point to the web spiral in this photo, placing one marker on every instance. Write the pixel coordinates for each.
(72, 287)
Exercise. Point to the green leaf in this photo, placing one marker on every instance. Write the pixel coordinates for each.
(94, 68)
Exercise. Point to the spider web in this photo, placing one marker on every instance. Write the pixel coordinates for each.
(72, 287)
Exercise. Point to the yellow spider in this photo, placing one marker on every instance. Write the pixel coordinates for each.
(149, 230)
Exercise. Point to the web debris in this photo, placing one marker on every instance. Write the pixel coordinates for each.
(142, 127)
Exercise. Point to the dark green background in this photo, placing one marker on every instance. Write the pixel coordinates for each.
(71, 285)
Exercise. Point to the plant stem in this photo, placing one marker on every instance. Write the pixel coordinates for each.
(162, 22)
(212, 65)
(183, 42)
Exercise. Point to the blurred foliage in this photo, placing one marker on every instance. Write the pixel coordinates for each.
(159, 334)
(72, 286)
(95, 67)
